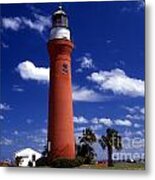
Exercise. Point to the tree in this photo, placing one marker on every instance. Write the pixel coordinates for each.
(84, 147)
(45, 152)
(110, 141)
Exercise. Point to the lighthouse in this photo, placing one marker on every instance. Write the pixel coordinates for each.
(60, 118)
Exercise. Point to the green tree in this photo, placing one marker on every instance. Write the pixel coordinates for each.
(44, 152)
(111, 141)
(84, 147)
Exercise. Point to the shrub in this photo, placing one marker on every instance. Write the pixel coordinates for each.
(42, 162)
(66, 163)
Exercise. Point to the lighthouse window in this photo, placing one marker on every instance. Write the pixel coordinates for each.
(65, 68)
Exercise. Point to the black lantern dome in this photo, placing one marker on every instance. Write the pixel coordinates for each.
(59, 18)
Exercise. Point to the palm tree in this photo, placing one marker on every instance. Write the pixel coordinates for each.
(110, 141)
(84, 147)
(45, 152)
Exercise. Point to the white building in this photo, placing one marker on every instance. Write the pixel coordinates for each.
(27, 156)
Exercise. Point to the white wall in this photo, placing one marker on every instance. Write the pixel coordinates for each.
(27, 156)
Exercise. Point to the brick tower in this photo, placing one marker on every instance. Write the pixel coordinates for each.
(60, 123)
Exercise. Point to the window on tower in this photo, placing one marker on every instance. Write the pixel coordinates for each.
(60, 20)
(65, 68)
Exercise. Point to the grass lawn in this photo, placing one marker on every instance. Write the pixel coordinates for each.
(117, 166)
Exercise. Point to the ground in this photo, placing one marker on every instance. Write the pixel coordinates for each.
(117, 166)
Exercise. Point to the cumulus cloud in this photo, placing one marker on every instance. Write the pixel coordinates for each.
(118, 82)
(29, 71)
(134, 109)
(86, 62)
(140, 133)
(96, 127)
(136, 125)
(135, 116)
(105, 121)
(124, 122)
(11, 23)
(142, 110)
(16, 132)
(140, 5)
(17, 88)
(4, 106)
(85, 94)
(80, 120)
(4, 45)
(1, 117)
(39, 23)
(38, 137)
(5, 141)
(135, 112)
(83, 120)
(29, 121)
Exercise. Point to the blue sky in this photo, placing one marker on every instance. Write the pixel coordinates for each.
(107, 71)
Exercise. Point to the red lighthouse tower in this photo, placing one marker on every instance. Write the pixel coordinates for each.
(60, 125)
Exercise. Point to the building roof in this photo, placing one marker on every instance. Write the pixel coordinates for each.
(59, 11)
(26, 151)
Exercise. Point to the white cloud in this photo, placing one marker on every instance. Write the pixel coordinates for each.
(95, 120)
(11, 23)
(4, 107)
(29, 71)
(136, 125)
(135, 113)
(134, 109)
(29, 121)
(5, 141)
(121, 122)
(16, 132)
(105, 121)
(132, 135)
(86, 62)
(127, 133)
(39, 24)
(140, 133)
(43, 131)
(38, 137)
(135, 116)
(140, 5)
(108, 41)
(33, 9)
(142, 110)
(17, 88)
(85, 94)
(1, 117)
(118, 82)
(96, 127)
(4, 45)
(80, 120)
